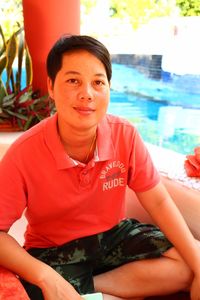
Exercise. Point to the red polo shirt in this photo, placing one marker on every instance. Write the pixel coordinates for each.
(65, 199)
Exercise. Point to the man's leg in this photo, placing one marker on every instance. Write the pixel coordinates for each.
(149, 277)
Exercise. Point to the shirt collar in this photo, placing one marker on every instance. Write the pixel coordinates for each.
(104, 150)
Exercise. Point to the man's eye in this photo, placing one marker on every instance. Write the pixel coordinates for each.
(72, 81)
(99, 82)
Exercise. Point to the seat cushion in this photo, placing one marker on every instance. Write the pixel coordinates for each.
(10, 286)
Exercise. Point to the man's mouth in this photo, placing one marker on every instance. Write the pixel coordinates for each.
(84, 110)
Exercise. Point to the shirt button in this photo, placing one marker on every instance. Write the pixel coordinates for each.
(86, 180)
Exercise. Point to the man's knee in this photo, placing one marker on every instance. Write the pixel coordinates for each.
(183, 271)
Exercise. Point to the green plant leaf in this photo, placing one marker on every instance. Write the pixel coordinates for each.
(24, 97)
(4, 41)
(8, 97)
(11, 52)
(3, 63)
(3, 92)
(29, 67)
(21, 46)
(15, 114)
(28, 122)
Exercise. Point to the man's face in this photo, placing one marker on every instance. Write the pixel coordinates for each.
(81, 91)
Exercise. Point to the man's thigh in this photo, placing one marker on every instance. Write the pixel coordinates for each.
(130, 241)
(78, 261)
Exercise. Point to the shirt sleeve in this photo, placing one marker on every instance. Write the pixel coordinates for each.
(142, 173)
(12, 191)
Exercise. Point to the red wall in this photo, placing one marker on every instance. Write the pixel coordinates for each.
(44, 22)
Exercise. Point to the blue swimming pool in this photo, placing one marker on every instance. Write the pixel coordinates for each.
(166, 114)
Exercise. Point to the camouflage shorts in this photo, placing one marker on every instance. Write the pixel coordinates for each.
(79, 260)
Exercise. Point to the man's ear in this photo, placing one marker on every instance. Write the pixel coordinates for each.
(50, 87)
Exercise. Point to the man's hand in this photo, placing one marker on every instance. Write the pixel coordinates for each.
(195, 288)
(55, 287)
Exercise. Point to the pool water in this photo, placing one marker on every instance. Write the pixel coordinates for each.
(164, 113)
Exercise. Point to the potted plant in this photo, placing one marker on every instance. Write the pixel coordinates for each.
(20, 107)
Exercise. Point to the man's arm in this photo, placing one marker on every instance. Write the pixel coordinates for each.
(188, 202)
(166, 215)
(19, 261)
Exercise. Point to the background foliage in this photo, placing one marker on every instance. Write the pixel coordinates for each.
(189, 7)
(11, 16)
(136, 11)
(20, 107)
(139, 12)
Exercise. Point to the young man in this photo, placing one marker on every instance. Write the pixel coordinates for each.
(69, 173)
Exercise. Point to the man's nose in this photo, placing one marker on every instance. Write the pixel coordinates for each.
(86, 93)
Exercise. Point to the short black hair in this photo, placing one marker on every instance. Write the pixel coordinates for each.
(70, 43)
